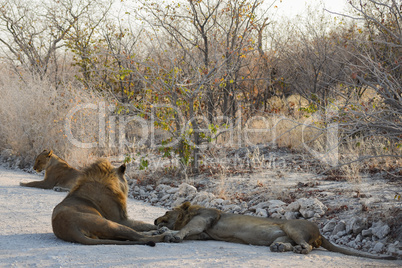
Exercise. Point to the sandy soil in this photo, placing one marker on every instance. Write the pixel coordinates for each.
(26, 239)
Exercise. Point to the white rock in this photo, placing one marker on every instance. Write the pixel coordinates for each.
(307, 214)
(367, 244)
(378, 247)
(149, 188)
(178, 201)
(270, 204)
(203, 197)
(368, 232)
(341, 234)
(391, 249)
(335, 237)
(317, 215)
(309, 207)
(276, 203)
(351, 244)
(278, 210)
(341, 226)
(289, 215)
(330, 226)
(294, 206)
(358, 238)
(231, 208)
(162, 188)
(206, 204)
(277, 216)
(380, 229)
(355, 225)
(383, 232)
(259, 205)
(165, 197)
(186, 190)
(219, 201)
(244, 205)
(172, 190)
(261, 212)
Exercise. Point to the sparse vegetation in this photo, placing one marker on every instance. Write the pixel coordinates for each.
(208, 77)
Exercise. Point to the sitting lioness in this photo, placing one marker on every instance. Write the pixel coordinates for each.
(59, 175)
(94, 212)
(198, 223)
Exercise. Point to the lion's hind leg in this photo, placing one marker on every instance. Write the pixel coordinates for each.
(116, 231)
(282, 244)
(200, 236)
(94, 230)
(303, 233)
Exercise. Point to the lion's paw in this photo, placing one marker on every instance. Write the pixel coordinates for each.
(302, 249)
(280, 247)
(171, 238)
(161, 230)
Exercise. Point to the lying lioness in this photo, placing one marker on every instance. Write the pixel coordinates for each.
(59, 175)
(94, 212)
(199, 223)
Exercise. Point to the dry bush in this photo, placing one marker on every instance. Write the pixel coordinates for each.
(294, 103)
(33, 115)
(285, 126)
(276, 104)
(369, 155)
(283, 131)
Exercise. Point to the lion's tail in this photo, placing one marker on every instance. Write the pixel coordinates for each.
(331, 247)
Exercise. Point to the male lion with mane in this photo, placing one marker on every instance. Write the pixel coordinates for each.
(59, 175)
(95, 211)
(198, 223)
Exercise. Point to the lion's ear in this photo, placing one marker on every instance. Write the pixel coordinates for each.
(185, 205)
(122, 168)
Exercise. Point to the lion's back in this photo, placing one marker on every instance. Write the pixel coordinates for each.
(63, 174)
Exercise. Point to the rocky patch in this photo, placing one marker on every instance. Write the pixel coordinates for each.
(354, 232)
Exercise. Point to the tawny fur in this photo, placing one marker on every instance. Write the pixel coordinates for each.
(95, 211)
(59, 175)
(198, 223)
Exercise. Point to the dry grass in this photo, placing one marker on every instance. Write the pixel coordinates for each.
(33, 114)
(281, 131)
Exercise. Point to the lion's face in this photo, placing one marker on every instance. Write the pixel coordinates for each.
(41, 160)
(169, 219)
